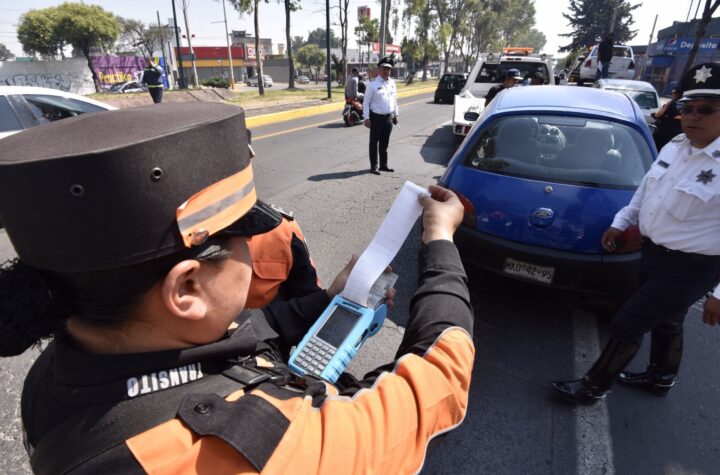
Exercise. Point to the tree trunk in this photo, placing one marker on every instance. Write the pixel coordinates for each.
(706, 16)
(95, 78)
(288, 38)
(258, 58)
(343, 37)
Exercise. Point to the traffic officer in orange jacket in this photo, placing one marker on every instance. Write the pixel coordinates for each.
(135, 258)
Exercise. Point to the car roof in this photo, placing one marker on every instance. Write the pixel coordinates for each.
(628, 84)
(11, 90)
(573, 99)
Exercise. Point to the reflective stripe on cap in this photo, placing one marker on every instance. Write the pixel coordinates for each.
(216, 207)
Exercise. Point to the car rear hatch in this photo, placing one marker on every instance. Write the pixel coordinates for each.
(550, 181)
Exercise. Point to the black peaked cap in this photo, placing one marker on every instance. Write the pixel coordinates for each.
(101, 190)
(701, 82)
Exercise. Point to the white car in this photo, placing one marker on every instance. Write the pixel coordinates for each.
(126, 87)
(267, 81)
(23, 107)
(640, 91)
(487, 73)
(303, 80)
(622, 65)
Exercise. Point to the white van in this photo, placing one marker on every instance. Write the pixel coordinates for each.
(622, 65)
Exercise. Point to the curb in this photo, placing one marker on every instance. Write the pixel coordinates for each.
(272, 118)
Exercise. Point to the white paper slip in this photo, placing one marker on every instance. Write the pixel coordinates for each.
(385, 245)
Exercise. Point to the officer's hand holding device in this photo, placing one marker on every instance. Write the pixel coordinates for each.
(359, 311)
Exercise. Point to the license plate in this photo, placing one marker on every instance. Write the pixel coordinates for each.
(529, 271)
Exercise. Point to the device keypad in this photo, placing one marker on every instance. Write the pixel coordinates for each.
(315, 356)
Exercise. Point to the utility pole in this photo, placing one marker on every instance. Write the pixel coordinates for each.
(162, 47)
(383, 27)
(187, 32)
(614, 16)
(183, 85)
(327, 39)
(647, 50)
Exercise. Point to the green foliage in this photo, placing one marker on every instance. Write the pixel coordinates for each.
(217, 81)
(590, 21)
(5, 53)
(141, 39)
(38, 32)
(531, 38)
(319, 38)
(311, 55)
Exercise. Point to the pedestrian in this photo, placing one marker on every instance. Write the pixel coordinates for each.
(667, 121)
(152, 79)
(135, 258)
(351, 87)
(537, 79)
(380, 110)
(677, 207)
(511, 77)
(605, 54)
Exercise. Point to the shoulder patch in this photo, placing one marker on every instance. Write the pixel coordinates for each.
(678, 138)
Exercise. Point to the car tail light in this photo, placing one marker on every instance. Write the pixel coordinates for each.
(632, 65)
(467, 129)
(469, 217)
(629, 241)
(588, 63)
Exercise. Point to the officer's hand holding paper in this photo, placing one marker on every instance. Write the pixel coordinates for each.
(360, 309)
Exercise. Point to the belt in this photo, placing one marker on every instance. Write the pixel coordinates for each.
(381, 115)
(660, 249)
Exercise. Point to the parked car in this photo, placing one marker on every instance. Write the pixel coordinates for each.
(22, 107)
(641, 92)
(126, 87)
(267, 81)
(303, 80)
(622, 65)
(449, 86)
(541, 175)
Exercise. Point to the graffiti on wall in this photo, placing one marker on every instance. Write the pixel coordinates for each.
(115, 69)
(59, 81)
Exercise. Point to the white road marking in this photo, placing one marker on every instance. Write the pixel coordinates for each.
(592, 423)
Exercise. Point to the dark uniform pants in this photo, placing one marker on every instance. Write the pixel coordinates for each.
(156, 93)
(670, 282)
(380, 128)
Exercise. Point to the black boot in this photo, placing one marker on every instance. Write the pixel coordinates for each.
(659, 377)
(596, 383)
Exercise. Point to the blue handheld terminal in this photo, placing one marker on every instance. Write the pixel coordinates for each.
(335, 338)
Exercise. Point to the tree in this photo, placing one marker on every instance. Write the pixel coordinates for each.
(420, 13)
(5, 53)
(297, 43)
(310, 55)
(367, 33)
(708, 11)
(451, 14)
(343, 6)
(138, 38)
(290, 6)
(247, 6)
(317, 37)
(38, 33)
(590, 21)
(531, 38)
(84, 27)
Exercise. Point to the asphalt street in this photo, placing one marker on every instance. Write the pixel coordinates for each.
(525, 335)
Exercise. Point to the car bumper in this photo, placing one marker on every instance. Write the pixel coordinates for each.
(446, 96)
(598, 274)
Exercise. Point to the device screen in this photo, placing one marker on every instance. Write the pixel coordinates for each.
(337, 326)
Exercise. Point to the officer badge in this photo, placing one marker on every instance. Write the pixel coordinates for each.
(716, 154)
(702, 74)
(706, 176)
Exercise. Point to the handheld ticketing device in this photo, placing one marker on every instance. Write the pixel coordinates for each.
(335, 338)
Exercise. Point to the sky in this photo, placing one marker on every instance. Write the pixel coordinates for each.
(206, 18)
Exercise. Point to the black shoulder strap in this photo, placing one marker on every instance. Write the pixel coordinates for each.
(98, 429)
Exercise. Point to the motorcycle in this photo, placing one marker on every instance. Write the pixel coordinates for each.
(353, 111)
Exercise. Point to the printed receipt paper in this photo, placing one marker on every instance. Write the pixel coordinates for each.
(385, 245)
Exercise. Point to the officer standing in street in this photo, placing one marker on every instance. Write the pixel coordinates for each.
(380, 110)
(511, 77)
(677, 207)
(133, 255)
(152, 78)
(605, 54)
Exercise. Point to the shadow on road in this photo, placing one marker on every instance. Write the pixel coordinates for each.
(337, 175)
(439, 147)
(339, 125)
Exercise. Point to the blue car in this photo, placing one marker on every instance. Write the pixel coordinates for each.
(541, 175)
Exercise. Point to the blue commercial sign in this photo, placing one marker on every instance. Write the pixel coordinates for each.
(675, 46)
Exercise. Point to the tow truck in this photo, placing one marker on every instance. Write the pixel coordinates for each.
(488, 72)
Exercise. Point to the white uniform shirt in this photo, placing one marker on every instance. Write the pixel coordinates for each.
(677, 204)
(380, 97)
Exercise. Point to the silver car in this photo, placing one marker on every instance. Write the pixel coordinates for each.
(267, 81)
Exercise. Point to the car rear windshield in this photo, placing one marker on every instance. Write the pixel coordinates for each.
(618, 52)
(494, 72)
(574, 150)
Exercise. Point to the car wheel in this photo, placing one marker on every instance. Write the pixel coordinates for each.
(580, 82)
(436, 99)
